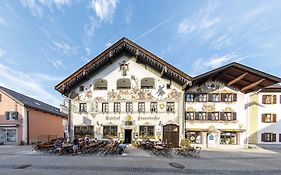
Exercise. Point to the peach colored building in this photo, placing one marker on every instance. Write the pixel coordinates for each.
(26, 120)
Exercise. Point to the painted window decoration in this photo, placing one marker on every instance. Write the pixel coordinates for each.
(269, 99)
(147, 83)
(170, 107)
(12, 115)
(193, 137)
(83, 131)
(100, 84)
(189, 116)
(117, 107)
(269, 118)
(268, 137)
(104, 107)
(228, 138)
(109, 132)
(189, 97)
(153, 107)
(146, 132)
(214, 98)
(141, 107)
(124, 83)
(129, 107)
(82, 107)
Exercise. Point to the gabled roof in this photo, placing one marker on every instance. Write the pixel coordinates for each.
(126, 46)
(237, 75)
(31, 102)
(273, 88)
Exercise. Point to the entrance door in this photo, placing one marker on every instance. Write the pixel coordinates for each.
(171, 134)
(128, 136)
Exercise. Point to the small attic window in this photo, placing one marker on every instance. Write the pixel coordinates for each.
(123, 83)
(81, 88)
(147, 83)
(100, 84)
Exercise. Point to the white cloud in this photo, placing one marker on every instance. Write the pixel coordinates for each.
(26, 84)
(104, 9)
(35, 6)
(91, 27)
(2, 21)
(185, 27)
(45, 77)
(222, 42)
(108, 44)
(128, 14)
(55, 63)
(2, 53)
(88, 51)
(65, 48)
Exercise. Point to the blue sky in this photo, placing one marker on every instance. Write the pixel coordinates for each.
(44, 41)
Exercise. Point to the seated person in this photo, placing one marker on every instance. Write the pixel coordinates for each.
(58, 146)
(159, 142)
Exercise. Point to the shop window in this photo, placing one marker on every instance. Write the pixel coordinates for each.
(104, 107)
(214, 98)
(189, 97)
(202, 97)
(123, 83)
(147, 83)
(189, 116)
(141, 107)
(170, 107)
(228, 138)
(82, 107)
(129, 107)
(83, 131)
(109, 132)
(269, 99)
(153, 107)
(146, 132)
(193, 137)
(11, 115)
(268, 137)
(213, 116)
(117, 107)
(269, 118)
(100, 84)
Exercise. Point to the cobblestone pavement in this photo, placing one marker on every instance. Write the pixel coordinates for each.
(21, 160)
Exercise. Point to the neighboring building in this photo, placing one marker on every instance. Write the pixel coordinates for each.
(26, 120)
(269, 115)
(218, 108)
(127, 93)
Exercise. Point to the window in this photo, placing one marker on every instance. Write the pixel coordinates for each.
(193, 137)
(153, 107)
(268, 137)
(189, 116)
(82, 131)
(269, 118)
(141, 107)
(11, 115)
(104, 107)
(147, 83)
(189, 97)
(129, 107)
(279, 137)
(146, 132)
(109, 132)
(170, 107)
(269, 99)
(213, 116)
(117, 107)
(228, 97)
(123, 83)
(200, 116)
(81, 88)
(0, 97)
(11, 135)
(202, 97)
(228, 138)
(100, 84)
(214, 98)
(83, 107)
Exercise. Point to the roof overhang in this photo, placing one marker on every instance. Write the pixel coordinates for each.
(238, 76)
(120, 47)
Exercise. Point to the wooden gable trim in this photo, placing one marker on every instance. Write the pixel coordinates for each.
(237, 79)
(252, 85)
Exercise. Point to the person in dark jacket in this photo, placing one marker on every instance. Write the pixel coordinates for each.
(75, 146)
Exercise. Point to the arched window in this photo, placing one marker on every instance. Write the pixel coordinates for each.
(123, 83)
(100, 84)
(147, 83)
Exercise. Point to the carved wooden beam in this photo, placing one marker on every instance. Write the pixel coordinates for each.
(237, 79)
(163, 71)
(252, 85)
(188, 83)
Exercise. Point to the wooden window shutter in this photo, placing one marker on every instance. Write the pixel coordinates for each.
(16, 115)
(273, 137)
(280, 99)
(222, 97)
(274, 99)
(263, 99)
(7, 115)
(210, 99)
(274, 118)
(263, 137)
(221, 115)
(196, 97)
(196, 115)
(234, 97)
(263, 118)
(279, 137)
(234, 117)
(209, 114)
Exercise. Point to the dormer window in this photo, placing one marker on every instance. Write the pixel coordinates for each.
(123, 83)
(147, 83)
(100, 84)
